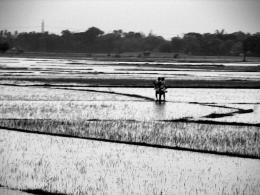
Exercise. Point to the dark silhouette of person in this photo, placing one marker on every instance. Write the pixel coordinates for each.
(157, 87)
(163, 87)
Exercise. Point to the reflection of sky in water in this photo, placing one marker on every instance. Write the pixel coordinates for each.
(159, 110)
(253, 117)
(180, 98)
(90, 62)
(75, 68)
(202, 95)
(31, 102)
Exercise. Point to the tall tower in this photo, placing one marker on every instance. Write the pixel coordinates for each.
(42, 26)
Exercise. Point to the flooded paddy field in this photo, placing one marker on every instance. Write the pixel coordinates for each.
(138, 74)
(74, 103)
(87, 106)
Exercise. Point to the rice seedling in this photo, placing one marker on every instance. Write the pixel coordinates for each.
(103, 110)
(76, 166)
(230, 139)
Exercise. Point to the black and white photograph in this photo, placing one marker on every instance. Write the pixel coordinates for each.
(129, 97)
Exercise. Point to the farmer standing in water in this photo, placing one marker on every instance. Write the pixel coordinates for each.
(160, 87)
(157, 84)
(163, 86)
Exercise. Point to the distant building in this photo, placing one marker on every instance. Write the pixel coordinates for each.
(42, 26)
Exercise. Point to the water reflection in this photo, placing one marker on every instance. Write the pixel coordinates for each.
(113, 69)
(159, 110)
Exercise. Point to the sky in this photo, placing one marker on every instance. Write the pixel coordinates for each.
(167, 18)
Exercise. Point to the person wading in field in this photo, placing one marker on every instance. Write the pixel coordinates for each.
(156, 85)
(160, 87)
(163, 87)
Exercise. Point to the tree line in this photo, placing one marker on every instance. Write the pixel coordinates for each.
(94, 40)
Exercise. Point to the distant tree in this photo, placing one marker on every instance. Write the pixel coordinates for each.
(251, 45)
(237, 36)
(95, 40)
(108, 42)
(236, 49)
(192, 43)
(220, 34)
(247, 45)
(118, 33)
(131, 42)
(153, 42)
(66, 33)
(132, 34)
(89, 38)
(165, 47)
(4, 47)
(92, 33)
(225, 47)
(256, 47)
(177, 44)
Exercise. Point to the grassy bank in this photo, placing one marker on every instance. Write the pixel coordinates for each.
(226, 139)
